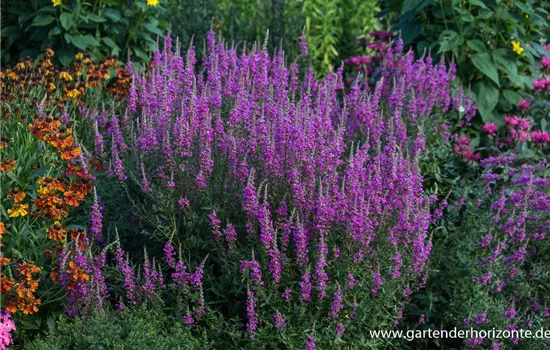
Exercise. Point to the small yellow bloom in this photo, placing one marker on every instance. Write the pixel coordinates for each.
(65, 76)
(152, 2)
(79, 56)
(18, 210)
(516, 47)
(56, 2)
(73, 93)
(51, 86)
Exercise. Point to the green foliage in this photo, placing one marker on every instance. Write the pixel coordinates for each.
(478, 35)
(249, 21)
(135, 329)
(332, 28)
(103, 28)
(189, 19)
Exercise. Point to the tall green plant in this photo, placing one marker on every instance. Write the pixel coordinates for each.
(332, 28)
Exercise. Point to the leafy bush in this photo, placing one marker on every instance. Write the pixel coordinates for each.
(45, 177)
(103, 28)
(269, 176)
(496, 44)
(135, 329)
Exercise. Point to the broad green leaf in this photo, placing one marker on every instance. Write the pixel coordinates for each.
(524, 7)
(505, 61)
(82, 41)
(115, 50)
(409, 5)
(112, 14)
(448, 40)
(65, 56)
(484, 63)
(477, 45)
(511, 96)
(487, 95)
(478, 3)
(95, 18)
(152, 28)
(67, 20)
(42, 20)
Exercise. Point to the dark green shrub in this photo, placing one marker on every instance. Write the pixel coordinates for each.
(135, 329)
(496, 44)
(103, 28)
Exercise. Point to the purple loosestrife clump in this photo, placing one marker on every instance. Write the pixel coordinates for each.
(310, 167)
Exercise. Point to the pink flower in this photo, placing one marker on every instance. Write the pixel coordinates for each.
(545, 63)
(540, 137)
(523, 105)
(490, 128)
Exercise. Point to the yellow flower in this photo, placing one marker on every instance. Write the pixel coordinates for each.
(18, 210)
(516, 47)
(152, 2)
(65, 76)
(56, 2)
(51, 86)
(73, 93)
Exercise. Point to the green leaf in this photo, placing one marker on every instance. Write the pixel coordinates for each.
(82, 41)
(112, 14)
(512, 96)
(506, 62)
(484, 63)
(448, 41)
(409, 5)
(478, 3)
(67, 20)
(477, 45)
(115, 50)
(95, 18)
(141, 54)
(152, 28)
(42, 20)
(487, 95)
(524, 7)
(65, 56)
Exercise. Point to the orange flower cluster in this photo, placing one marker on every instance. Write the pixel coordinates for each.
(62, 84)
(23, 298)
(60, 137)
(77, 275)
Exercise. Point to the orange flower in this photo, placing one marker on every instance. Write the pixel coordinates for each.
(27, 269)
(7, 165)
(2, 229)
(6, 284)
(4, 261)
(27, 288)
(11, 305)
(73, 198)
(56, 232)
(79, 236)
(77, 272)
(29, 306)
(16, 194)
